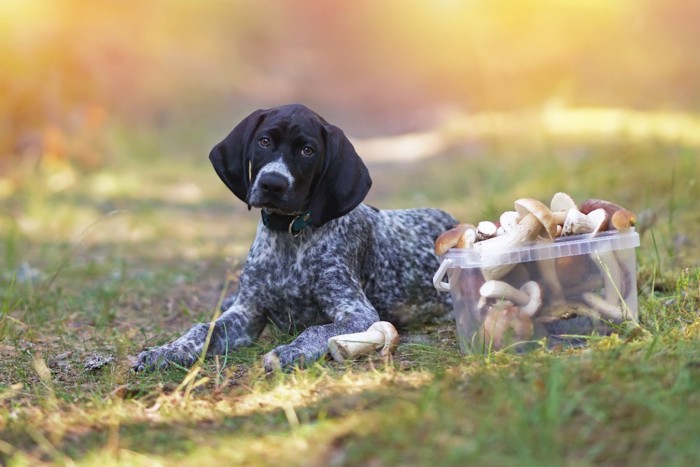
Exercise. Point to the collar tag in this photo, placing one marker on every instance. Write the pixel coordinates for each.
(294, 225)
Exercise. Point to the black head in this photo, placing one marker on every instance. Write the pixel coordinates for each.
(289, 160)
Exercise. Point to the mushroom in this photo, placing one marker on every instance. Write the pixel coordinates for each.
(612, 275)
(609, 207)
(528, 297)
(527, 230)
(578, 223)
(571, 269)
(460, 236)
(562, 202)
(626, 261)
(509, 221)
(614, 303)
(505, 323)
(623, 220)
(467, 239)
(560, 205)
(566, 311)
(485, 230)
(604, 307)
(381, 336)
(549, 220)
(593, 204)
(548, 270)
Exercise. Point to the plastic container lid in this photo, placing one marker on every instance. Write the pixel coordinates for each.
(562, 246)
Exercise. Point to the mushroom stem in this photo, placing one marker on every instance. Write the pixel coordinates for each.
(612, 275)
(527, 230)
(548, 271)
(467, 239)
(624, 258)
(605, 308)
(528, 297)
(509, 220)
(380, 336)
(525, 206)
(578, 223)
(505, 291)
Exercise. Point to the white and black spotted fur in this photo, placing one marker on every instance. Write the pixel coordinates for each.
(342, 266)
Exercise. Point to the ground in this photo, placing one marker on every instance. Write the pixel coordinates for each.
(98, 265)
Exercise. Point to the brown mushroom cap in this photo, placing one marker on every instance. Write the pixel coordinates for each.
(450, 238)
(593, 204)
(505, 324)
(623, 220)
(609, 207)
(571, 270)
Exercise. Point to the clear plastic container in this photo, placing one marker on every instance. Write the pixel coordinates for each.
(563, 291)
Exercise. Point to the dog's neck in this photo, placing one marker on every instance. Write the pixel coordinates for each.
(294, 224)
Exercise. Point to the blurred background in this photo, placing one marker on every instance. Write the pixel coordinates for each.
(73, 70)
(115, 106)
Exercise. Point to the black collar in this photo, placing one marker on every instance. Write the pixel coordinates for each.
(286, 223)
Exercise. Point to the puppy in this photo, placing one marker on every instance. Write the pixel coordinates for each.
(322, 263)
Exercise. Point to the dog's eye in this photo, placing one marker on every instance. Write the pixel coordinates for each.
(264, 142)
(307, 151)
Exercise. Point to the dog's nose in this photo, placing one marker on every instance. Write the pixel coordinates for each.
(273, 183)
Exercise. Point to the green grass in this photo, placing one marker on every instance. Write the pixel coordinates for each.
(133, 254)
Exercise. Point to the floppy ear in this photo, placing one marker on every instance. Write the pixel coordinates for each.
(344, 180)
(231, 158)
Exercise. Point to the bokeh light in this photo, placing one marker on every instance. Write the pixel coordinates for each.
(73, 68)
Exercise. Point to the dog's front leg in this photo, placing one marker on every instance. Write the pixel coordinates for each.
(312, 343)
(240, 325)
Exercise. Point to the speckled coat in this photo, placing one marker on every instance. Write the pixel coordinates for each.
(336, 277)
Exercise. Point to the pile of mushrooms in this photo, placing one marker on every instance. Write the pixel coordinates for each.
(517, 299)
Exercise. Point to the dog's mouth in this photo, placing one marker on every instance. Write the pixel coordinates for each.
(271, 210)
(276, 203)
(276, 208)
(262, 201)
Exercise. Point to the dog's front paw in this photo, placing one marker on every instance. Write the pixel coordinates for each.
(284, 358)
(184, 351)
(158, 358)
(152, 359)
(271, 362)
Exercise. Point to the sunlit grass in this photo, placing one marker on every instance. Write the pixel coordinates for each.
(130, 255)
